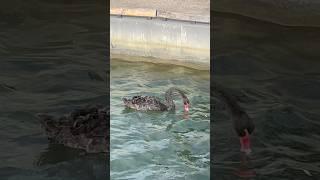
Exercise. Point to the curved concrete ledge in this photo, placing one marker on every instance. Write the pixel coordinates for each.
(185, 10)
(145, 12)
(183, 16)
(283, 12)
(161, 41)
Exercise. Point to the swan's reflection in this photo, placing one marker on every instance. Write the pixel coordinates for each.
(61, 162)
(56, 153)
(244, 170)
(186, 115)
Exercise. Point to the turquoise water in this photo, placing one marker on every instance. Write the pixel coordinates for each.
(159, 145)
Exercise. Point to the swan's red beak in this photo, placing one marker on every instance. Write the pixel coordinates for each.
(186, 107)
(245, 143)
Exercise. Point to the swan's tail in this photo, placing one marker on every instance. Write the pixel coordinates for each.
(127, 102)
(49, 124)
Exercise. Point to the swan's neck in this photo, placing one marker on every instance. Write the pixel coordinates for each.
(170, 93)
(232, 105)
(169, 100)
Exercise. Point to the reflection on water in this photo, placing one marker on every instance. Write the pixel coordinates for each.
(159, 145)
(274, 72)
(52, 59)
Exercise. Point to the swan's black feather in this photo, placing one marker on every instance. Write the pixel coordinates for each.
(152, 103)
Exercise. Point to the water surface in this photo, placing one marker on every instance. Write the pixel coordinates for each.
(159, 145)
(274, 72)
(52, 59)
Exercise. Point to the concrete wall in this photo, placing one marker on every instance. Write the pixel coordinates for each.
(167, 41)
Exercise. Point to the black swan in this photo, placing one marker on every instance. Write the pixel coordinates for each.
(242, 123)
(86, 129)
(151, 103)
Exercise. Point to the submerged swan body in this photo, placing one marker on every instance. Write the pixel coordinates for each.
(86, 129)
(151, 103)
(242, 123)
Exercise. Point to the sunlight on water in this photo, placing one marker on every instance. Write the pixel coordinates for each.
(159, 145)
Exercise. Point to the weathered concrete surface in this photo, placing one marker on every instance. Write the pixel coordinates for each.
(285, 12)
(190, 10)
(143, 12)
(172, 41)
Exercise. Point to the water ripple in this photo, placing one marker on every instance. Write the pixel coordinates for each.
(159, 145)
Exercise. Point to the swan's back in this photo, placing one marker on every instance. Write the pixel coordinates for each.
(86, 128)
(145, 103)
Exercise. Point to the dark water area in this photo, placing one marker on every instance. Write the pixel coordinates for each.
(274, 73)
(53, 59)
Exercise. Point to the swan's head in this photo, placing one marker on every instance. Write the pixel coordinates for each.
(244, 127)
(173, 91)
(186, 104)
(245, 143)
